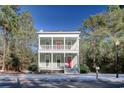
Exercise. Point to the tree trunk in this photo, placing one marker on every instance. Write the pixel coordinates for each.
(94, 61)
(94, 57)
(4, 53)
(4, 48)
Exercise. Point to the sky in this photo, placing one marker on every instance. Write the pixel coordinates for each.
(61, 17)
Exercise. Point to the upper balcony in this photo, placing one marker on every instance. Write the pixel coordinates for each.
(57, 47)
(58, 44)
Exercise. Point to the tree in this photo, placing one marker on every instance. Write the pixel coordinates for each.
(90, 25)
(103, 30)
(8, 22)
(18, 37)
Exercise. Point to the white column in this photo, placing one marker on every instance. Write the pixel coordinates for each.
(52, 56)
(64, 43)
(52, 43)
(78, 43)
(64, 55)
(38, 42)
(78, 55)
(51, 61)
(38, 61)
(64, 62)
(38, 54)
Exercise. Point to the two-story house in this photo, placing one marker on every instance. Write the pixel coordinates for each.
(58, 51)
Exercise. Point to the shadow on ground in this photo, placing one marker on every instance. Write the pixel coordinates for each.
(9, 83)
(69, 84)
(25, 81)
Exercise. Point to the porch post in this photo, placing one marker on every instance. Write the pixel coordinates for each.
(39, 54)
(39, 42)
(52, 44)
(38, 61)
(52, 56)
(64, 62)
(64, 43)
(64, 55)
(51, 62)
(78, 44)
(78, 55)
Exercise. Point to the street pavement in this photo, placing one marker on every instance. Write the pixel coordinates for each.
(60, 81)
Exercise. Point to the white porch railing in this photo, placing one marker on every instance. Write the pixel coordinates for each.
(51, 65)
(57, 47)
(68, 47)
(45, 47)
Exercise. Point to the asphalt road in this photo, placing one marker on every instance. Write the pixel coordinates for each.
(54, 81)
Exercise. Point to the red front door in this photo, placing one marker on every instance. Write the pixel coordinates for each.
(69, 61)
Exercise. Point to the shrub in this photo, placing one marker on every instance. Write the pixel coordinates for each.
(33, 67)
(84, 69)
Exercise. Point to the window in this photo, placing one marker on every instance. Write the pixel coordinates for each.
(47, 60)
(47, 44)
(58, 43)
(69, 44)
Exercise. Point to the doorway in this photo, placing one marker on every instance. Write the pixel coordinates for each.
(47, 60)
(69, 61)
(58, 60)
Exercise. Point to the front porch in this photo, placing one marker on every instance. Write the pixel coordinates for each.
(58, 61)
